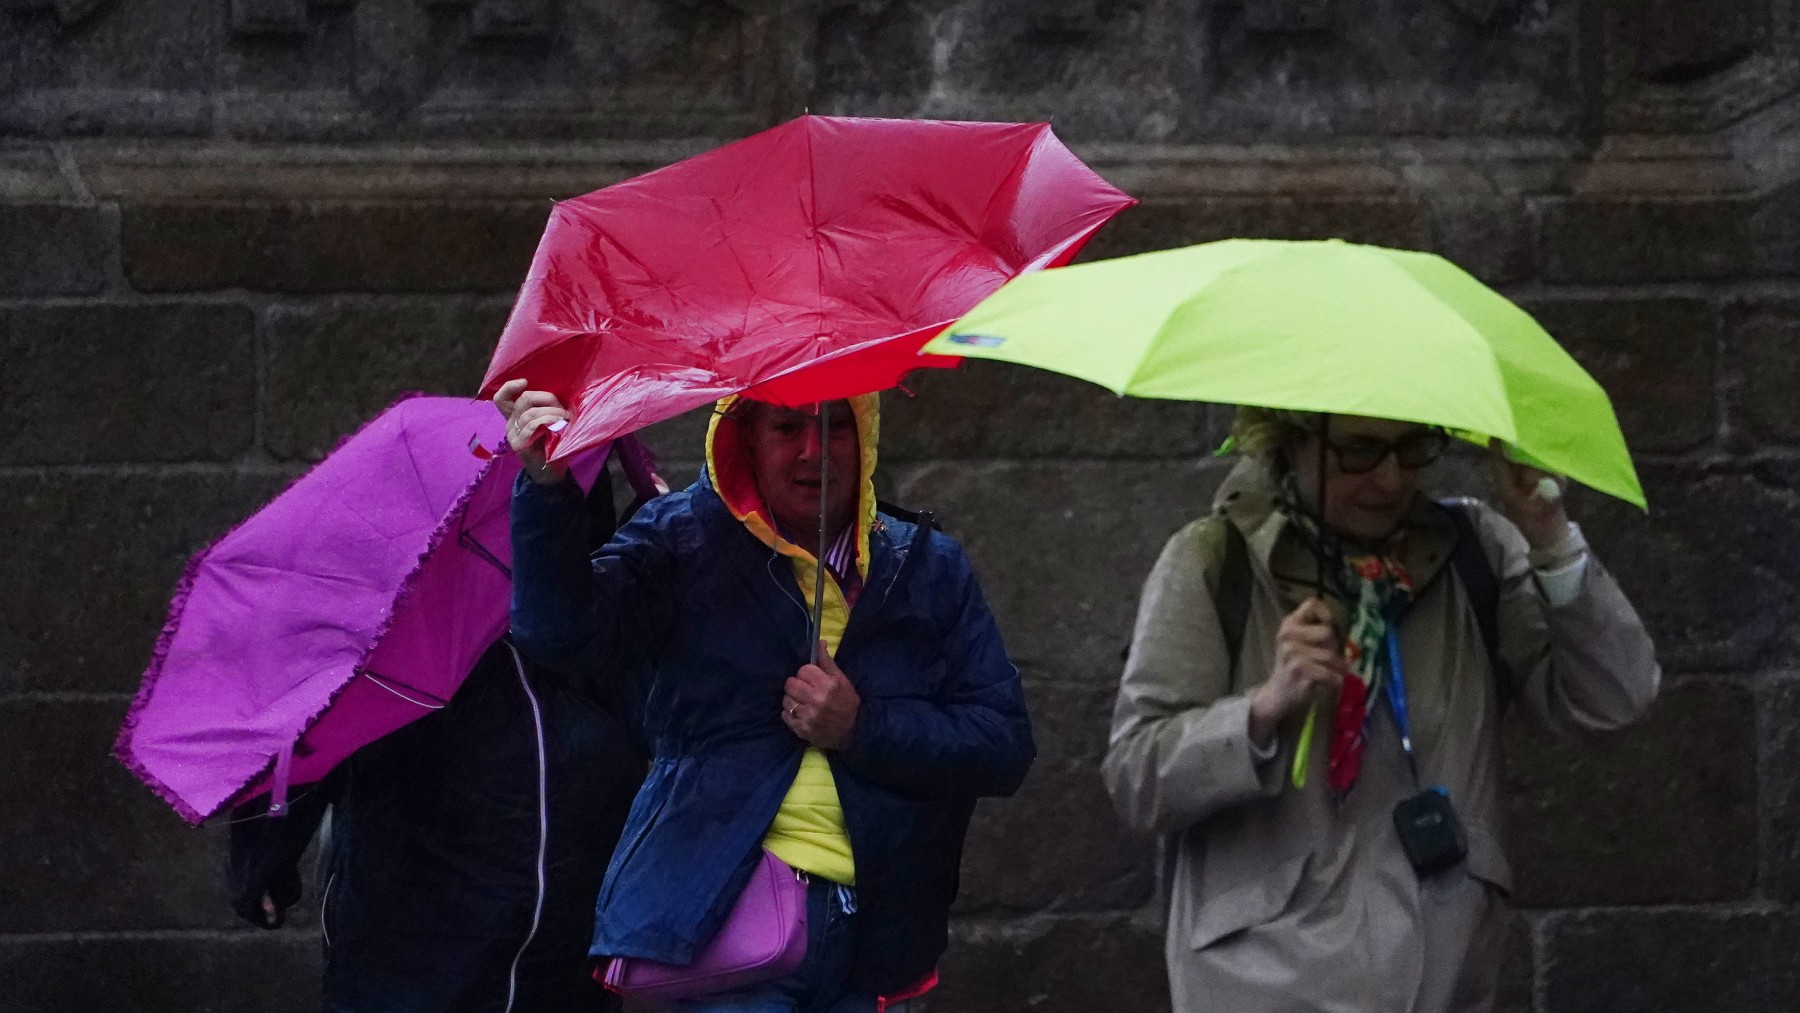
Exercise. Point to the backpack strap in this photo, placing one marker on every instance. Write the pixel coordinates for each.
(922, 518)
(1482, 585)
(1231, 595)
(1228, 580)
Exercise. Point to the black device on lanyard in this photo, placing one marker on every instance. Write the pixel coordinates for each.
(1430, 833)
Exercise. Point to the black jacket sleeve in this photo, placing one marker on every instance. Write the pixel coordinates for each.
(265, 850)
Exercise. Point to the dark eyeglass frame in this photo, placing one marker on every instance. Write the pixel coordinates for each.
(1413, 451)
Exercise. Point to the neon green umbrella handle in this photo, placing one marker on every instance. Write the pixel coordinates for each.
(1304, 748)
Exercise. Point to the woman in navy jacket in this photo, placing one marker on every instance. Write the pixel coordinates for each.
(908, 711)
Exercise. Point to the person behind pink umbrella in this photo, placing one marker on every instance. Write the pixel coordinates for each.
(464, 850)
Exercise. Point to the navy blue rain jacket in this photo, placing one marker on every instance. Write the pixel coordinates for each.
(713, 623)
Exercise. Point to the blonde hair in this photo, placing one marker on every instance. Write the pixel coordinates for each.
(1262, 432)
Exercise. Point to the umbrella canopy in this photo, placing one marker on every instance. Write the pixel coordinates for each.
(805, 263)
(1312, 326)
(352, 604)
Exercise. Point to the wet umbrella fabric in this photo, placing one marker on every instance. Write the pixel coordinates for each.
(1309, 326)
(806, 263)
(354, 603)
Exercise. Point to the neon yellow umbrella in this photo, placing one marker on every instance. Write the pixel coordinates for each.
(1312, 326)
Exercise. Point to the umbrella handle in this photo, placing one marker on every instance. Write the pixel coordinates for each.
(278, 791)
(639, 463)
(1324, 442)
(1303, 748)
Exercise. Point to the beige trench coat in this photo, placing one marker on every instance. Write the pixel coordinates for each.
(1281, 900)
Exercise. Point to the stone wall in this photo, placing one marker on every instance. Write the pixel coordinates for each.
(232, 229)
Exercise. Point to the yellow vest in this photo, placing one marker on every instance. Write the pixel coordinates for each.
(808, 831)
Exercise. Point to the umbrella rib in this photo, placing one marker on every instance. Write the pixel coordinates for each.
(412, 460)
(473, 544)
(812, 215)
(383, 680)
(288, 571)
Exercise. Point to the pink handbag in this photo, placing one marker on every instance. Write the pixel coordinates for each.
(764, 937)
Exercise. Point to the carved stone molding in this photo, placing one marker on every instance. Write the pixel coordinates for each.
(68, 12)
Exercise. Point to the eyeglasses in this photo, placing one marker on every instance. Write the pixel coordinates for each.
(1360, 455)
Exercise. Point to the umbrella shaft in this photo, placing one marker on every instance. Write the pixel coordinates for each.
(818, 604)
(1324, 442)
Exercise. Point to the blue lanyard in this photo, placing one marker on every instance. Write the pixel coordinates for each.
(1396, 692)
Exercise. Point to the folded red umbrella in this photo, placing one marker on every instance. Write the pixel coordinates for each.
(805, 263)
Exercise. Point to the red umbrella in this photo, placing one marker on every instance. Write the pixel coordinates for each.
(805, 263)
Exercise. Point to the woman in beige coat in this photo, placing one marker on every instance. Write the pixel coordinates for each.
(1289, 886)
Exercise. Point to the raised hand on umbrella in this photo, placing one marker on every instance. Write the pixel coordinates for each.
(528, 413)
(1531, 498)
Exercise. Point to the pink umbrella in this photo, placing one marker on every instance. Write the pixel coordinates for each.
(352, 604)
(805, 263)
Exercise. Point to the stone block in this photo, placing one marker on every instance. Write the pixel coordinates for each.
(1775, 228)
(1091, 963)
(1677, 41)
(1063, 548)
(1763, 357)
(1292, 69)
(332, 367)
(268, 17)
(90, 847)
(1780, 756)
(139, 68)
(1518, 970)
(501, 68)
(870, 50)
(996, 409)
(1279, 16)
(29, 175)
(1492, 238)
(52, 249)
(1164, 223)
(1656, 358)
(1056, 845)
(340, 246)
(1711, 568)
(1097, 76)
(275, 972)
(1633, 240)
(94, 559)
(164, 382)
(1663, 813)
(1689, 960)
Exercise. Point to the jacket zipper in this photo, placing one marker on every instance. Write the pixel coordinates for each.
(537, 910)
(325, 909)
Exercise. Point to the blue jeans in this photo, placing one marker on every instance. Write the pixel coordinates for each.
(818, 985)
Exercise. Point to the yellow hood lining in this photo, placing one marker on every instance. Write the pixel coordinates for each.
(728, 464)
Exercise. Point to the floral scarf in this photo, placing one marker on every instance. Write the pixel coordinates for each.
(1378, 589)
